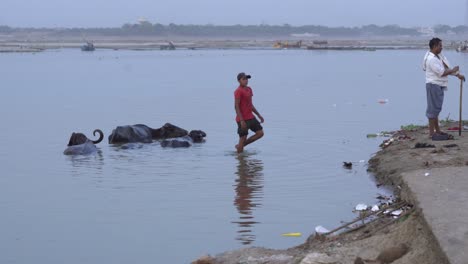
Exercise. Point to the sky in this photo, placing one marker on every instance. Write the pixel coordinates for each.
(115, 13)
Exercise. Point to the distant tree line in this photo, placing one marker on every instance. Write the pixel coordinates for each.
(148, 29)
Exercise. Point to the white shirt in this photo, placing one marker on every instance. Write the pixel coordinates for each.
(434, 68)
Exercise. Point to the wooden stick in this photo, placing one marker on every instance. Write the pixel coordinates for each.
(460, 125)
(396, 206)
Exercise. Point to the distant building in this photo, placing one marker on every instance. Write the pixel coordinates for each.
(143, 21)
(427, 31)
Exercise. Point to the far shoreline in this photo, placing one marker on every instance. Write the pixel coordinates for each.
(38, 44)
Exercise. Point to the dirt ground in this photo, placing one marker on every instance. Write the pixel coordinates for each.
(398, 154)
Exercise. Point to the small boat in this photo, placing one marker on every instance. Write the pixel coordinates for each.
(287, 45)
(88, 47)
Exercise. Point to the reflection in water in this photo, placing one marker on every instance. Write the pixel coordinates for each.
(249, 191)
(94, 162)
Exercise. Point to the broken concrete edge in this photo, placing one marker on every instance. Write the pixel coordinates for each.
(402, 190)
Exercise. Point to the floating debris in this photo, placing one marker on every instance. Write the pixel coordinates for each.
(383, 101)
(292, 234)
(427, 174)
(347, 165)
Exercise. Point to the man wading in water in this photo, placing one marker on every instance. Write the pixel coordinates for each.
(437, 70)
(244, 110)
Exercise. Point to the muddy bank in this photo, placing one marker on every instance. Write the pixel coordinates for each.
(397, 156)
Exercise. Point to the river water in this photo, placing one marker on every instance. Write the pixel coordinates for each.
(147, 204)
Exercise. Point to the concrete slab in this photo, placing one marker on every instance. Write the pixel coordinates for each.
(443, 198)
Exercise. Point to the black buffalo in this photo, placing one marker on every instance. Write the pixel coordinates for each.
(79, 144)
(195, 136)
(144, 133)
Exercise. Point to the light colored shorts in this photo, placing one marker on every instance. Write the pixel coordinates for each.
(435, 99)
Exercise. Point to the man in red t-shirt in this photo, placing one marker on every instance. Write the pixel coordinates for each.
(244, 110)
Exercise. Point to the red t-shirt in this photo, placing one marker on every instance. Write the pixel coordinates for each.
(245, 103)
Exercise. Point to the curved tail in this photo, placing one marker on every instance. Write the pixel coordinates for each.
(101, 136)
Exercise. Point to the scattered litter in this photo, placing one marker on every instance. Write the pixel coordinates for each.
(381, 134)
(382, 101)
(397, 212)
(375, 208)
(423, 145)
(321, 230)
(427, 174)
(361, 207)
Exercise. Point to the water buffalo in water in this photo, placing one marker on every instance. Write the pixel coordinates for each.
(79, 144)
(145, 134)
(195, 136)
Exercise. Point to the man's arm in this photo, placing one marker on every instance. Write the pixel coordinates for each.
(258, 114)
(238, 112)
(450, 71)
(440, 70)
(237, 108)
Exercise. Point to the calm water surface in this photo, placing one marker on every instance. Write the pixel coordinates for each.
(146, 204)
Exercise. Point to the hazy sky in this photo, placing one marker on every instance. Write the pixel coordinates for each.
(114, 13)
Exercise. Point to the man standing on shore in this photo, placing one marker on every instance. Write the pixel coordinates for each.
(437, 69)
(244, 111)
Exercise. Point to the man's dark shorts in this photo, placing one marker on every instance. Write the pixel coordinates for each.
(252, 124)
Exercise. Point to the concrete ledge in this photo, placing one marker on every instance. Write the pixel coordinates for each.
(442, 197)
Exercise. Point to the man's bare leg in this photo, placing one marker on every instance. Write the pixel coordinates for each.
(241, 145)
(431, 126)
(436, 126)
(255, 137)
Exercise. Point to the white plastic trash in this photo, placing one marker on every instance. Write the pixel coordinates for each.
(427, 174)
(321, 230)
(375, 208)
(397, 212)
(361, 207)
